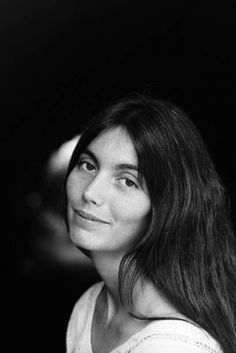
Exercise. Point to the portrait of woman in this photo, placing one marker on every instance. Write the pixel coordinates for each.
(144, 202)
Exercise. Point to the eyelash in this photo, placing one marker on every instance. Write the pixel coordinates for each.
(133, 183)
(81, 163)
(86, 163)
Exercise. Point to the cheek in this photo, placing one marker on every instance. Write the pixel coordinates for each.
(131, 210)
(74, 186)
(69, 188)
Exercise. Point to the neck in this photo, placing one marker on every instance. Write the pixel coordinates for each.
(107, 266)
(147, 299)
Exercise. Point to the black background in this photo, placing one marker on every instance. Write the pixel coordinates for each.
(60, 62)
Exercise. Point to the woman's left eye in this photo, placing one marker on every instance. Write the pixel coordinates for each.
(128, 182)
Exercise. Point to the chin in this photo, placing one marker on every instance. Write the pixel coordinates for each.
(82, 239)
(79, 240)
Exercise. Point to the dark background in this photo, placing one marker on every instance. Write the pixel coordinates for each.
(60, 61)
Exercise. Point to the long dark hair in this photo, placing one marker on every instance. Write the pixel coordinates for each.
(188, 250)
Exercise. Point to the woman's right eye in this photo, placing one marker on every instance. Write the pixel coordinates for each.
(86, 165)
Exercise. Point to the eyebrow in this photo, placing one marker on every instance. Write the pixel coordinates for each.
(120, 166)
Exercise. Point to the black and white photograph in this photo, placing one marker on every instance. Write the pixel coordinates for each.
(118, 165)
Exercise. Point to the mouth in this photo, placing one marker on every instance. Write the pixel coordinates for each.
(89, 217)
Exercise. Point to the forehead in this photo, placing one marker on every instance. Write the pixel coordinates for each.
(115, 145)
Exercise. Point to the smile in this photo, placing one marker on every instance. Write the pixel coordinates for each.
(89, 217)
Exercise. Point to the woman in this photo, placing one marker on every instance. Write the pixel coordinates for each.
(144, 202)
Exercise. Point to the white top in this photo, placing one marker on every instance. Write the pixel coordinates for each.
(170, 336)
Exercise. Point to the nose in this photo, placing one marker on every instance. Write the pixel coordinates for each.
(96, 190)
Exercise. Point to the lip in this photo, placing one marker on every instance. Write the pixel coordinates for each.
(89, 216)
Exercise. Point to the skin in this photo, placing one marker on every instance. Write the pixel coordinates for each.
(98, 185)
(113, 194)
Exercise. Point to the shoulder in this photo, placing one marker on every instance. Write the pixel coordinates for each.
(175, 337)
(81, 313)
(87, 298)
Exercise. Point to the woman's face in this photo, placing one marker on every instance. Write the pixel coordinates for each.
(108, 206)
